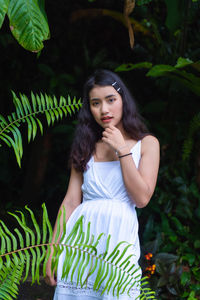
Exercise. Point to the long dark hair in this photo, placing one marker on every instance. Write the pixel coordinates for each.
(88, 132)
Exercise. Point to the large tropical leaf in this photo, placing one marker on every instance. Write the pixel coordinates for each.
(28, 23)
(186, 78)
(28, 112)
(29, 247)
(3, 10)
(130, 67)
(177, 72)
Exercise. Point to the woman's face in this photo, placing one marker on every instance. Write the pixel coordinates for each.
(106, 106)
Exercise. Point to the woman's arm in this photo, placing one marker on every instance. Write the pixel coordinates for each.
(140, 183)
(71, 200)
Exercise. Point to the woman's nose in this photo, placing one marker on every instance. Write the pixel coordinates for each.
(104, 108)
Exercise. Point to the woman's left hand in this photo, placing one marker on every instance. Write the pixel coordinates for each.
(112, 136)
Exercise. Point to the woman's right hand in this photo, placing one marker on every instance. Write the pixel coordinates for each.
(50, 277)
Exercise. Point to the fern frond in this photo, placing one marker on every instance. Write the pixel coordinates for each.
(10, 279)
(28, 249)
(189, 141)
(28, 112)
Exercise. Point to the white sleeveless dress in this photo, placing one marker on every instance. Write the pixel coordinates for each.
(108, 207)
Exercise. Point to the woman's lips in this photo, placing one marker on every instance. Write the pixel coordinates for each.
(106, 119)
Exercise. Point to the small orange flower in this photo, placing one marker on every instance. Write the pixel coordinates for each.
(148, 256)
(153, 268)
(150, 270)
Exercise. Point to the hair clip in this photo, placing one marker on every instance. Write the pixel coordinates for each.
(117, 89)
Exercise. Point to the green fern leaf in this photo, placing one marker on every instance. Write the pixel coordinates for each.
(40, 103)
(40, 125)
(80, 255)
(34, 101)
(18, 105)
(24, 103)
(3, 122)
(27, 112)
(63, 101)
(9, 141)
(10, 279)
(65, 111)
(5, 141)
(69, 110)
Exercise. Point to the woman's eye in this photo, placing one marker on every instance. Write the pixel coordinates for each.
(111, 100)
(95, 103)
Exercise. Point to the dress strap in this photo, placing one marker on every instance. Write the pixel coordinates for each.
(136, 147)
(136, 153)
(90, 162)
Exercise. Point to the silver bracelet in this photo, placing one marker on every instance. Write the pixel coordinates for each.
(117, 151)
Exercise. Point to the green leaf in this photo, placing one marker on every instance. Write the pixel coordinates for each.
(18, 105)
(33, 126)
(5, 140)
(187, 80)
(29, 129)
(39, 103)
(160, 70)
(26, 103)
(179, 226)
(185, 278)
(183, 62)
(40, 126)
(130, 66)
(3, 121)
(62, 101)
(52, 116)
(65, 110)
(45, 105)
(28, 24)
(15, 147)
(34, 103)
(69, 110)
(3, 10)
(190, 258)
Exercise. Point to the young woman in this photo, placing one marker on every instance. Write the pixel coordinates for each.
(114, 167)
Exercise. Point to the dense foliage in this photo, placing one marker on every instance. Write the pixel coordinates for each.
(160, 38)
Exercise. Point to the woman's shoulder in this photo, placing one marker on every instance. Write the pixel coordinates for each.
(150, 139)
(149, 142)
